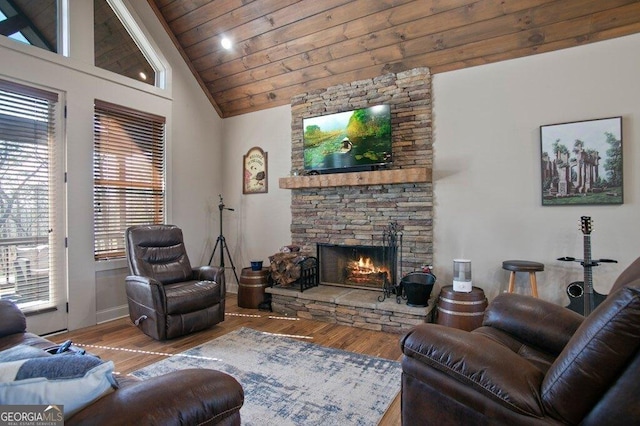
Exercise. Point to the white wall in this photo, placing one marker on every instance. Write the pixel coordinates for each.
(96, 292)
(487, 165)
(486, 168)
(260, 224)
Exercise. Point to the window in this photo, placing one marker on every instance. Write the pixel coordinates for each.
(30, 22)
(120, 46)
(31, 181)
(128, 174)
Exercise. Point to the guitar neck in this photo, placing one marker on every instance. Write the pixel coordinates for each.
(588, 276)
(589, 304)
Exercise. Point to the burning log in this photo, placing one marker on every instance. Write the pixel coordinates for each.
(363, 272)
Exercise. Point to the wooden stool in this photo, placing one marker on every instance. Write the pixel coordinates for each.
(523, 266)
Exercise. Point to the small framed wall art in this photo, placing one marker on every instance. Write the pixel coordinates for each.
(254, 172)
(582, 162)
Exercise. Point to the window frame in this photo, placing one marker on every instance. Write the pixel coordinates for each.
(40, 254)
(135, 143)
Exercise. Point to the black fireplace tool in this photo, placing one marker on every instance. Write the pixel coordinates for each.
(392, 241)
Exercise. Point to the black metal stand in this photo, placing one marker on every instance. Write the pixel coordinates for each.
(391, 239)
(223, 244)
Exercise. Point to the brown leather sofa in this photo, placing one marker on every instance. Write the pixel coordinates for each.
(167, 297)
(530, 363)
(186, 397)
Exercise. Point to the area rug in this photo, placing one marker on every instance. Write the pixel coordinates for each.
(290, 382)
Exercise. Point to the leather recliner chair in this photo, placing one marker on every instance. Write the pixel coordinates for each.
(531, 363)
(167, 297)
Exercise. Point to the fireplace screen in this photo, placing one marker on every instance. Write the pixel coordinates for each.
(366, 267)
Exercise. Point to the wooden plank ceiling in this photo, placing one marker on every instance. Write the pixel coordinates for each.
(286, 47)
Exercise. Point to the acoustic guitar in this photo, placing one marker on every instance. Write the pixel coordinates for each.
(583, 299)
(575, 291)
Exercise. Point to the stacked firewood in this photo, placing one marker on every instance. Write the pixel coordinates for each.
(286, 267)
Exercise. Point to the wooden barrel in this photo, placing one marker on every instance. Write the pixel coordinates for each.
(461, 310)
(251, 287)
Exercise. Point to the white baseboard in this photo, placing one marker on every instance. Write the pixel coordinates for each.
(112, 314)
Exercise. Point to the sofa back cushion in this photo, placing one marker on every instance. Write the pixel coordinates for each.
(597, 354)
(158, 251)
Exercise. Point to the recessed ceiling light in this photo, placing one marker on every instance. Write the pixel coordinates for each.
(142, 75)
(226, 43)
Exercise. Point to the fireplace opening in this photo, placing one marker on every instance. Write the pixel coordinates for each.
(356, 266)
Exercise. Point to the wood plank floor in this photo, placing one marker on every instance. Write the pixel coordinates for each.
(121, 342)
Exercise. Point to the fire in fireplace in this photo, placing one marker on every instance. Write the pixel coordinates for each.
(366, 267)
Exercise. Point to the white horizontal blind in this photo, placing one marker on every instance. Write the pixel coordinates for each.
(30, 259)
(128, 174)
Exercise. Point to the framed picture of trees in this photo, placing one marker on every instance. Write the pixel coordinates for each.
(582, 162)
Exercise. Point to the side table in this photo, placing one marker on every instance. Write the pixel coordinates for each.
(461, 310)
(251, 287)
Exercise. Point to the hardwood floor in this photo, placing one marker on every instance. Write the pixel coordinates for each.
(130, 349)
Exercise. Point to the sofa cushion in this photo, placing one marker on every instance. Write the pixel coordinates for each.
(189, 296)
(73, 381)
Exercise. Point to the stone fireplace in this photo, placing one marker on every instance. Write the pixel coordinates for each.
(355, 209)
(332, 212)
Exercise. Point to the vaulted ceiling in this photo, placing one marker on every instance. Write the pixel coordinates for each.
(286, 47)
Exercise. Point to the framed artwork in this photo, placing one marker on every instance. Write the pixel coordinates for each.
(254, 172)
(582, 162)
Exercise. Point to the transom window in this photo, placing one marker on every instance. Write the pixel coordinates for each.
(30, 22)
(114, 47)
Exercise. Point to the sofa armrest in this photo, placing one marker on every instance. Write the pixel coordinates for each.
(211, 273)
(12, 319)
(536, 322)
(146, 291)
(490, 369)
(192, 396)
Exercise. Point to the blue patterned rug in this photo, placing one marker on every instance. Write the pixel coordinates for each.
(289, 382)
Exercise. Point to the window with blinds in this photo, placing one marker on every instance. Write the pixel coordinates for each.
(128, 174)
(30, 188)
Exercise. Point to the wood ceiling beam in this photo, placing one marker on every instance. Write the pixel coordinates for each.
(13, 25)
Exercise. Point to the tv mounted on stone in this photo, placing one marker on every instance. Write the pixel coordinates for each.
(355, 140)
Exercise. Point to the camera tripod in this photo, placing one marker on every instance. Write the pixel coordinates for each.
(223, 243)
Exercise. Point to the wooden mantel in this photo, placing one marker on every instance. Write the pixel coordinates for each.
(376, 177)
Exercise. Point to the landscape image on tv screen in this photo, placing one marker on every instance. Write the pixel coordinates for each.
(350, 139)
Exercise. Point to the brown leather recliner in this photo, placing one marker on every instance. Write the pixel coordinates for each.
(531, 363)
(167, 297)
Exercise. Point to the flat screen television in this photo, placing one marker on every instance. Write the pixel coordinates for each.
(359, 139)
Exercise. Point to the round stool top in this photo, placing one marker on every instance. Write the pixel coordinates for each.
(522, 266)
